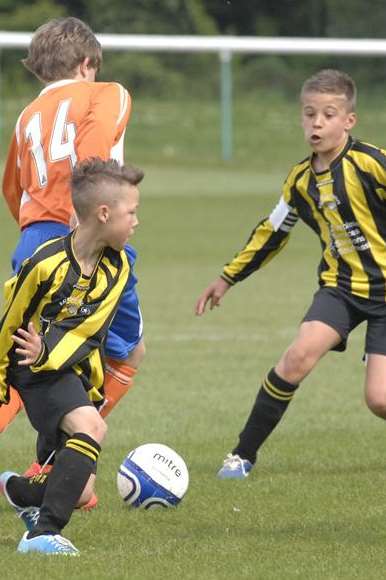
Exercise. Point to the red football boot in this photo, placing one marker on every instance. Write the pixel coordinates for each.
(36, 469)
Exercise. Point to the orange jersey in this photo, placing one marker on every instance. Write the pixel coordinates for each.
(68, 122)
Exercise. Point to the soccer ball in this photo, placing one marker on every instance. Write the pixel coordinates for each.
(152, 475)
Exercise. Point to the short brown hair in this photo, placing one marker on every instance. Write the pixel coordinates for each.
(93, 179)
(59, 46)
(334, 82)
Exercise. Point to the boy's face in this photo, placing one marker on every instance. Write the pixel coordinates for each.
(326, 121)
(122, 216)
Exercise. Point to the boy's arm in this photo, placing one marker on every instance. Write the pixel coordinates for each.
(12, 190)
(103, 132)
(19, 292)
(266, 241)
(379, 172)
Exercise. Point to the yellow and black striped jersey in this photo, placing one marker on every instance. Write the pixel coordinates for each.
(345, 206)
(71, 311)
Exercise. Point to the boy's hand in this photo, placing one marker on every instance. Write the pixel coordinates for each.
(31, 344)
(214, 293)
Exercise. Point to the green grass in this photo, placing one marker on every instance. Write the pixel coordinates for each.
(314, 507)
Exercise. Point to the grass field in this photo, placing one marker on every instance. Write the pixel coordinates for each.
(314, 507)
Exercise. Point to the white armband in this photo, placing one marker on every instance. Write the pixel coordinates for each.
(283, 217)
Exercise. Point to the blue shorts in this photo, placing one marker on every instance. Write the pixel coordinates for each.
(126, 329)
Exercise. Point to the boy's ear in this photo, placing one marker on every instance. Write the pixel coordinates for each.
(351, 121)
(84, 66)
(103, 214)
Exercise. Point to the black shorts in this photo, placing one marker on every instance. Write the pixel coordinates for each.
(48, 397)
(344, 312)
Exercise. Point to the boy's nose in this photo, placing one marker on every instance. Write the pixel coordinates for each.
(317, 121)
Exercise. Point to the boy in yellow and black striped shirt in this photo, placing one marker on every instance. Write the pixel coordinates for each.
(340, 193)
(57, 313)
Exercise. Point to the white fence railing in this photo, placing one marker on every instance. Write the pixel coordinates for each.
(239, 44)
(225, 46)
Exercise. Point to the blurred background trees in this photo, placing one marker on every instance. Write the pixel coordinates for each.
(176, 73)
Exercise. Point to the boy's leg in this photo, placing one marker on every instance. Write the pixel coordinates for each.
(375, 385)
(55, 403)
(375, 348)
(9, 412)
(73, 467)
(326, 326)
(28, 489)
(119, 377)
(73, 470)
(72, 474)
(124, 345)
(45, 455)
(313, 341)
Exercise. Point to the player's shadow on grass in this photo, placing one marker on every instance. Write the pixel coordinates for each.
(320, 470)
(9, 542)
(371, 532)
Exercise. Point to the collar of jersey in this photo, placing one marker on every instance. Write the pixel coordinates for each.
(57, 84)
(337, 160)
(73, 261)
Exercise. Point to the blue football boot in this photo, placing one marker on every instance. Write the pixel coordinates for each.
(29, 515)
(48, 544)
(234, 468)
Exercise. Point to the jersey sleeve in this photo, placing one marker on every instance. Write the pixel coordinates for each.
(103, 131)
(267, 239)
(19, 290)
(12, 190)
(378, 171)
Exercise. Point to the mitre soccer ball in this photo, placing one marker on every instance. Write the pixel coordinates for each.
(152, 475)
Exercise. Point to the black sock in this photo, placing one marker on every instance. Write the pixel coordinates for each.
(272, 400)
(27, 491)
(72, 468)
(45, 445)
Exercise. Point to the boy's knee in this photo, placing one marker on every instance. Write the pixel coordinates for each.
(97, 430)
(295, 364)
(137, 355)
(376, 402)
(85, 420)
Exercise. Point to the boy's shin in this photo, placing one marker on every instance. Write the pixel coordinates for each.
(118, 380)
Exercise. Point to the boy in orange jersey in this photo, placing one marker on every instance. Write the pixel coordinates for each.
(72, 119)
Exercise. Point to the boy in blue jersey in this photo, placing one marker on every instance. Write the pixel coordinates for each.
(57, 313)
(340, 193)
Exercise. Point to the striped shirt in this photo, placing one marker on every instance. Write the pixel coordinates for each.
(71, 311)
(345, 207)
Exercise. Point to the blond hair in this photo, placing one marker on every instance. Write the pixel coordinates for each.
(59, 46)
(93, 180)
(334, 82)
